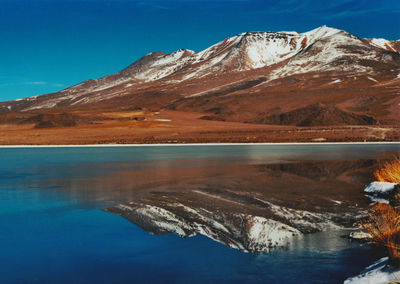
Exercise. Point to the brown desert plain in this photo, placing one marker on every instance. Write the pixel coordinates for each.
(182, 127)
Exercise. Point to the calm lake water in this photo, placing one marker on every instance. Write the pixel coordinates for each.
(53, 228)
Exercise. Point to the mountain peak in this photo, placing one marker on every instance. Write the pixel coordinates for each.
(322, 31)
(265, 34)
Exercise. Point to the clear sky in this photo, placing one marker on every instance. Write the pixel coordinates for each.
(48, 45)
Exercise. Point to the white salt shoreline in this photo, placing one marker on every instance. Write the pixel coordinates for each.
(200, 144)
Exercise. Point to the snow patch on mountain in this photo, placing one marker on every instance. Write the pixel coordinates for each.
(265, 49)
(382, 43)
(165, 65)
(331, 50)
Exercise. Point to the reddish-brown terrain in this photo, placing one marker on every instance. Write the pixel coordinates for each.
(323, 85)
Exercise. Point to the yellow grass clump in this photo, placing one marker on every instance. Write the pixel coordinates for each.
(384, 226)
(389, 172)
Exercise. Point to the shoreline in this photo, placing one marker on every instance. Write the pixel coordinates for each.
(199, 144)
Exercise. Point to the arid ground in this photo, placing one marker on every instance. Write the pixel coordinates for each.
(96, 127)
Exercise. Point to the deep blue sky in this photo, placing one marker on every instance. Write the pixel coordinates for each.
(47, 45)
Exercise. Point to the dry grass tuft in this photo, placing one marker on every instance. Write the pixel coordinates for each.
(384, 226)
(389, 172)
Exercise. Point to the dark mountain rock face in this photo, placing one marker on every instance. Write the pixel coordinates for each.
(318, 115)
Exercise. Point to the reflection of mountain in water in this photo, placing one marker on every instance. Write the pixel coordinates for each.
(239, 221)
(241, 231)
(252, 207)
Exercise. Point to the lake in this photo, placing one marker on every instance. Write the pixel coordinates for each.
(179, 214)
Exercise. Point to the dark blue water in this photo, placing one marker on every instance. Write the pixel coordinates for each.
(50, 234)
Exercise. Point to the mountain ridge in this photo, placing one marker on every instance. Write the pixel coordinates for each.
(255, 58)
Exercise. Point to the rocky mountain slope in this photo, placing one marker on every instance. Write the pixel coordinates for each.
(284, 78)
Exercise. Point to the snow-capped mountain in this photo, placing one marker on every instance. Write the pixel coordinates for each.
(252, 50)
(246, 51)
(242, 52)
(252, 62)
